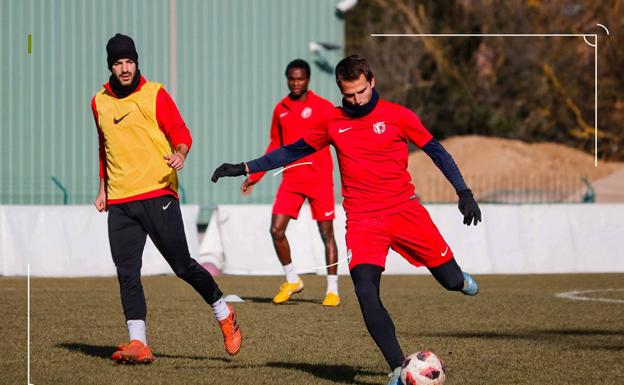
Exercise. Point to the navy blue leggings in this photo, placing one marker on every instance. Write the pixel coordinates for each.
(366, 279)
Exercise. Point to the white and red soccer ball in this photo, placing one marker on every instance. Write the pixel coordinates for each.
(423, 368)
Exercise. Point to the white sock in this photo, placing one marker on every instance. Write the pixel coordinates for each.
(332, 284)
(291, 276)
(220, 309)
(136, 330)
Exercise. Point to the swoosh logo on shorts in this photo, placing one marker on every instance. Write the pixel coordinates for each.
(328, 213)
(445, 251)
(165, 207)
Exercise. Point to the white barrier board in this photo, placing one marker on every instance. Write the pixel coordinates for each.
(71, 241)
(514, 239)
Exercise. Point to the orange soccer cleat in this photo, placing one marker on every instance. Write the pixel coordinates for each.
(133, 353)
(232, 336)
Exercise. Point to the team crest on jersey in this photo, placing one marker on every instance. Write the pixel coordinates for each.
(306, 113)
(379, 127)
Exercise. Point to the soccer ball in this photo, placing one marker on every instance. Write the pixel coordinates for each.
(423, 368)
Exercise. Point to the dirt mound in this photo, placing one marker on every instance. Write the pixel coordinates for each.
(506, 170)
(611, 188)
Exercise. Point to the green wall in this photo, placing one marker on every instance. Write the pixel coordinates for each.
(229, 69)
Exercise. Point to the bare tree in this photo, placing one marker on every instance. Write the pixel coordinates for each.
(529, 88)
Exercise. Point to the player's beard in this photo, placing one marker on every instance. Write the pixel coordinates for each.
(122, 91)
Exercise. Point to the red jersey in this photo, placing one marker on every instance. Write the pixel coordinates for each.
(292, 119)
(372, 155)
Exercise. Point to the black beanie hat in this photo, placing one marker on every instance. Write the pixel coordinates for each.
(121, 47)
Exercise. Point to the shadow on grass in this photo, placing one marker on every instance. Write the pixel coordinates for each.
(611, 348)
(595, 339)
(533, 334)
(106, 351)
(89, 350)
(292, 301)
(336, 373)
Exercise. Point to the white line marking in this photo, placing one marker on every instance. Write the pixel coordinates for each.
(173, 50)
(605, 28)
(596, 104)
(333, 264)
(527, 35)
(588, 43)
(575, 295)
(28, 320)
(474, 34)
(292, 165)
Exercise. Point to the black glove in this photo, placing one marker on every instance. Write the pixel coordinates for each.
(228, 169)
(468, 207)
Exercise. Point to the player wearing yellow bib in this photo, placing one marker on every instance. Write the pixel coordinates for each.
(143, 143)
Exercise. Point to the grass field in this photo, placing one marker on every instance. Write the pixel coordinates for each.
(515, 332)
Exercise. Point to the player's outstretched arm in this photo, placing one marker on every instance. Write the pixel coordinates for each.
(468, 207)
(274, 159)
(229, 169)
(444, 161)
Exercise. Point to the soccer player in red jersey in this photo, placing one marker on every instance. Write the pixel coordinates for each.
(309, 178)
(370, 136)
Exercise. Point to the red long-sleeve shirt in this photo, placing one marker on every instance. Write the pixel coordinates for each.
(291, 120)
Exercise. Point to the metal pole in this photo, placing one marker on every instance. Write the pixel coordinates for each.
(63, 189)
(173, 50)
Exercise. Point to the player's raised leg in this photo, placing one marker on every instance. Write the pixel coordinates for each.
(293, 283)
(166, 229)
(418, 240)
(451, 277)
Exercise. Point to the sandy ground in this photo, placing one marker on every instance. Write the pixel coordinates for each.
(505, 170)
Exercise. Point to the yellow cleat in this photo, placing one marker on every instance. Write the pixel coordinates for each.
(286, 290)
(331, 299)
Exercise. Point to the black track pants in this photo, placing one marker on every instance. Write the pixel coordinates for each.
(161, 219)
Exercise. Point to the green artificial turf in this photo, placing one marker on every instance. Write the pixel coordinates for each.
(514, 332)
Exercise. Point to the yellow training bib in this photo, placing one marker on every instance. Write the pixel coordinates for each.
(134, 144)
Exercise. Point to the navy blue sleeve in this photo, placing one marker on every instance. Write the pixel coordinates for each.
(444, 161)
(281, 156)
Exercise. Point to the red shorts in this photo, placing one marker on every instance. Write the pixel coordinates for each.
(290, 197)
(409, 232)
